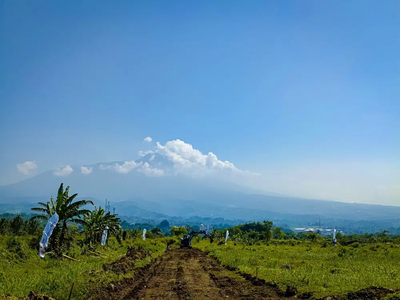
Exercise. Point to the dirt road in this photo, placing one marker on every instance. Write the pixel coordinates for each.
(187, 274)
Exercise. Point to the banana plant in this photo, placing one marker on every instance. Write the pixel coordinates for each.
(67, 210)
(96, 221)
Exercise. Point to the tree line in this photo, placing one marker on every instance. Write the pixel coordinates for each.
(75, 217)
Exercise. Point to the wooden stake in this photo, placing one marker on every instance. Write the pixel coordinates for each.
(70, 292)
(66, 256)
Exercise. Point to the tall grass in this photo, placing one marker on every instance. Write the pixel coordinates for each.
(313, 267)
(22, 270)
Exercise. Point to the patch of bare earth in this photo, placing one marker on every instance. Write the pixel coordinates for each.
(185, 274)
(191, 274)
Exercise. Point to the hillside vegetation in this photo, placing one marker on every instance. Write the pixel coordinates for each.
(265, 260)
(314, 267)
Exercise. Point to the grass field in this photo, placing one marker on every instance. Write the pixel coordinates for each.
(310, 267)
(323, 270)
(22, 270)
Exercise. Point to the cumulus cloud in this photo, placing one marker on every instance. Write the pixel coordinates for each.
(126, 167)
(27, 167)
(144, 153)
(103, 167)
(63, 171)
(86, 170)
(186, 159)
(151, 172)
(177, 157)
(148, 139)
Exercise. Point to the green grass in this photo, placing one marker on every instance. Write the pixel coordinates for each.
(314, 268)
(22, 270)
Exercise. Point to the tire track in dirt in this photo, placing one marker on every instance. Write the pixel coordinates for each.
(183, 274)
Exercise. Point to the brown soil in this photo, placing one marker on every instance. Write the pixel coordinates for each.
(187, 274)
(36, 296)
(191, 274)
(127, 262)
(371, 293)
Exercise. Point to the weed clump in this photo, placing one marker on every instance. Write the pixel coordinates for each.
(15, 248)
(395, 296)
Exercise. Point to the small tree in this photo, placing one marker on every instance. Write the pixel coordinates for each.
(94, 223)
(156, 230)
(277, 233)
(67, 210)
(5, 226)
(17, 226)
(267, 230)
(32, 227)
(178, 230)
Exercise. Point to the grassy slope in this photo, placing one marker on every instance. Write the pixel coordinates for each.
(322, 270)
(53, 277)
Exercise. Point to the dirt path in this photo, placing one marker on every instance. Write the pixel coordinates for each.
(187, 274)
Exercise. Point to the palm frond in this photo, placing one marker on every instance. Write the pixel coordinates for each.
(79, 204)
(39, 209)
(70, 199)
(60, 197)
(53, 202)
(79, 221)
(43, 217)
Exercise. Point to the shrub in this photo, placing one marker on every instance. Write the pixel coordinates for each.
(15, 247)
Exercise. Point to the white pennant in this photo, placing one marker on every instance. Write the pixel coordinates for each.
(47, 231)
(144, 234)
(226, 236)
(104, 236)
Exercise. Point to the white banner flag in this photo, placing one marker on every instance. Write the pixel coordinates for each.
(47, 231)
(104, 237)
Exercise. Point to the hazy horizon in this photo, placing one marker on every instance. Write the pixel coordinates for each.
(299, 98)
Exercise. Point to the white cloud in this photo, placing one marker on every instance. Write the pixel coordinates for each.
(63, 171)
(27, 167)
(126, 167)
(191, 161)
(148, 139)
(103, 167)
(183, 159)
(151, 172)
(86, 170)
(144, 153)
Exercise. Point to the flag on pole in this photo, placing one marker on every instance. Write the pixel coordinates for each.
(104, 236)
(144, 234)
(334, 237)
(226, 236)
(47, 231)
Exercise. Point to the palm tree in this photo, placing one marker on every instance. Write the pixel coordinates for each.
(96, 221)
(67, 210)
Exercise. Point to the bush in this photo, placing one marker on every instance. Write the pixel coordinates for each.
(34, 242)
(342, 252)
(15, 247)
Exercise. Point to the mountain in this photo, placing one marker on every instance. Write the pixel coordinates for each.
(151, 186)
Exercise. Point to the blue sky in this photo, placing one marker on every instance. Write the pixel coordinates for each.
(304, 92)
